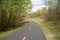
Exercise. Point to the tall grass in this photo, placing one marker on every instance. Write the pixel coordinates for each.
(51, 29)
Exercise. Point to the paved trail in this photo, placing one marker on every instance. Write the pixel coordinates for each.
(31, 31)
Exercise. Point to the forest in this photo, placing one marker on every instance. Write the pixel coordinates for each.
(14, 12)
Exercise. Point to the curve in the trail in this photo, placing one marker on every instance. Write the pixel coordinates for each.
(31, 31)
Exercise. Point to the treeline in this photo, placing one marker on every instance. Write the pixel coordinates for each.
(12, 12)
(53, 11)
(50, 13)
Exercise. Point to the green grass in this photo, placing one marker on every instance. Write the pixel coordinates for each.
(9, 32)
(5, 34)
(51, 30)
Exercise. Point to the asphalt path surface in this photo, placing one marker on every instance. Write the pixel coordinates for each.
(31, 31)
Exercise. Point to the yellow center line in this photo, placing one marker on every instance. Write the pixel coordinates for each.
(24, 38)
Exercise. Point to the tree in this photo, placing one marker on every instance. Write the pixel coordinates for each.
(51, 13)
(11, 11)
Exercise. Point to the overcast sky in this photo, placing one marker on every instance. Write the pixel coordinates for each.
(38, 4)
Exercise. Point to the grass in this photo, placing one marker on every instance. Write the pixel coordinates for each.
(5, 34)
(9, 32)
(51, 30)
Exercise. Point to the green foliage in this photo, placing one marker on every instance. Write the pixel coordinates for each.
(11, 12)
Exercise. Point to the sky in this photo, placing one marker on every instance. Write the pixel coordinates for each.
(38, 4)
